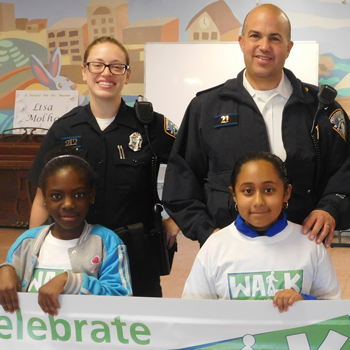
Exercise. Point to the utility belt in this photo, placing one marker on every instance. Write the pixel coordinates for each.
(142, 244)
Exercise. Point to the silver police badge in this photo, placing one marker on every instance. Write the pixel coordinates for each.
(135, 141)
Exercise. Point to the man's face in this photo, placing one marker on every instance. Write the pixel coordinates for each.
(265, 44)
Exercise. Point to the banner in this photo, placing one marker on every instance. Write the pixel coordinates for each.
(99, 322)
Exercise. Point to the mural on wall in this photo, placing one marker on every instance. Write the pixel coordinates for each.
(42, 43)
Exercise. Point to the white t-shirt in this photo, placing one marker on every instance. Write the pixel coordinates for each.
(104, 123)
(53, 260)
(233, 266)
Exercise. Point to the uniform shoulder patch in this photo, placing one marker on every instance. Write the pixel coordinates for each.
(170, 128)
(337, 118)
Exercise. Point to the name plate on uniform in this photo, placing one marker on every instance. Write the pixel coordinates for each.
(39, 109)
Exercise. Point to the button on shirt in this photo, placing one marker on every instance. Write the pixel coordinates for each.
(271, 104)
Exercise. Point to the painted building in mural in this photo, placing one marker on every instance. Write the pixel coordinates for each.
(7, 17)
(107, 17)
(165, 29)
(36, 25)
(70, 35)
(215, 22)
(27, 30)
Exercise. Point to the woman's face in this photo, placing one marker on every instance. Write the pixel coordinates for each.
(105, 85)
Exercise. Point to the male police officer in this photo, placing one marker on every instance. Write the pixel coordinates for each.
(265, 108)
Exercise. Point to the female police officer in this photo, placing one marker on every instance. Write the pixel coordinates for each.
(114, 142)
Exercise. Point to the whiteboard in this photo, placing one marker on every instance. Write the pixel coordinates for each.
(175, 72)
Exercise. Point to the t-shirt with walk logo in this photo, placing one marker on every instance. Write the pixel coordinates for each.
(232, 265)
(263, 285)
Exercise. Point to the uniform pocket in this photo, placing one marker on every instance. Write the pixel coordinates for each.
(219, 199)
(129, 176)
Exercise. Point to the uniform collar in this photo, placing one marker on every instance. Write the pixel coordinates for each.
(284, 88)
(246, 230)
(234, 88)
(125, 116)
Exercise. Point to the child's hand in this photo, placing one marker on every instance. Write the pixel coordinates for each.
(49, 292)
(8, 289)
(285, 298)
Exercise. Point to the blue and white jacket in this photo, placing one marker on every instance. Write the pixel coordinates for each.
(99, 261)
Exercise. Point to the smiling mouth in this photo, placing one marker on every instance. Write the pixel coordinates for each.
(105, 83)
(264, 58)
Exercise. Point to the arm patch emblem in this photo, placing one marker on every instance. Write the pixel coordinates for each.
(170, 128)
(338, 120)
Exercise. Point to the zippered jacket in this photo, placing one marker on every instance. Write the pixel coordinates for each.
(221, 124)
(99, 261)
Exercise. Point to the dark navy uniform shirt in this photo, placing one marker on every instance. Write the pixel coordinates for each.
(124, 187)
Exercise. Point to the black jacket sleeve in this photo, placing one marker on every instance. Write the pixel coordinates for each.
(186, 173)
(335, 170)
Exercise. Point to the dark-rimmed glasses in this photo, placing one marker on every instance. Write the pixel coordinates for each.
(114, 68)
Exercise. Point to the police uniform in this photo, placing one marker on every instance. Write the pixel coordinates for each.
(223, 123)
(121, 157)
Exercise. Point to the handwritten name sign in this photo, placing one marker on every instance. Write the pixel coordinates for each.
(39, 109)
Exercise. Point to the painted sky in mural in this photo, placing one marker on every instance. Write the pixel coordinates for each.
(311, 19)
(324, 21)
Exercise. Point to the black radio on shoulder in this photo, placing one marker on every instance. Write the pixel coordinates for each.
(144, 110)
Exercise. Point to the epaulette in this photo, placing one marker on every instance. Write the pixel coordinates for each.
(72, 112)
(311, 87)
(210, 89)
(310, 92)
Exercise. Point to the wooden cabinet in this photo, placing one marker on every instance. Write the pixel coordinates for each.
(17, 153)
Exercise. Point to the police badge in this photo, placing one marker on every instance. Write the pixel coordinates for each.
(135, 141)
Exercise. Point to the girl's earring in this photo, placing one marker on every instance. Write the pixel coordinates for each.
(45, 204)
(236, 207)
(285, 205)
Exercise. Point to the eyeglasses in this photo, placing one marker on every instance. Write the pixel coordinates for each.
(99, 67)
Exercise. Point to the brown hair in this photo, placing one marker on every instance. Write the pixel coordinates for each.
(106, 39)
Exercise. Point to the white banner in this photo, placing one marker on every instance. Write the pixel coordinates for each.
(96, 322)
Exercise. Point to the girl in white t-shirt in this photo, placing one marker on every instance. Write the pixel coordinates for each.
(261, 255)
(70, 256)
